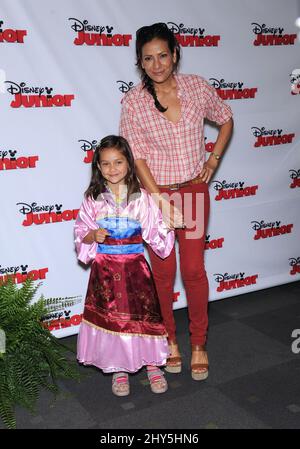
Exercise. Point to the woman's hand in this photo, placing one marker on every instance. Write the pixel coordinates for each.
(172, 216)
(100, 234)
(209, 168)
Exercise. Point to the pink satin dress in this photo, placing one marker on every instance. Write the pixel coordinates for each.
(122, 327)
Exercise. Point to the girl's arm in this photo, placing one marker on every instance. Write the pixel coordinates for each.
(96, 235)
(84, 227)
(154, 230)
(89, 238)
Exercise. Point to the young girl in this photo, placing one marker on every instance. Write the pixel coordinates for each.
(122, 328)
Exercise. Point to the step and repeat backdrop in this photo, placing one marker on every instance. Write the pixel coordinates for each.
(64, 68)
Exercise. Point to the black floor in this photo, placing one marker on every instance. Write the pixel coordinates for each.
(253, 383)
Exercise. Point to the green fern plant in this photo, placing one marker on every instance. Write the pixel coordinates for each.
(33, 358)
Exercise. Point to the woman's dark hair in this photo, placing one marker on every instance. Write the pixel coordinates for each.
(145, 35)
(97, 183)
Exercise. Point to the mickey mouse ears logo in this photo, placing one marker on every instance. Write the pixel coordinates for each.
(125, 87)
(295, 82)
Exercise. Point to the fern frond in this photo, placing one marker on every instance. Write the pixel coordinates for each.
(34, 358)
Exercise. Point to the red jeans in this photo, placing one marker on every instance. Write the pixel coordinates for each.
(191, 251)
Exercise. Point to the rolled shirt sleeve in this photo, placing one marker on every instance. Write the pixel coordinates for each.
(216, 110)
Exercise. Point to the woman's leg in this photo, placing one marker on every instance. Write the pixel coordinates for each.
(164, 272)
(192, 260)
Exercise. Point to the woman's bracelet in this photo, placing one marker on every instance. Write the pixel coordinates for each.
(216, 156)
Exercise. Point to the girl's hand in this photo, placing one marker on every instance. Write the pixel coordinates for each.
(208, 169)
(100, 234)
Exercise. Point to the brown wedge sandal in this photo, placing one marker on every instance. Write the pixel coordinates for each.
(173, 362)
(199, 368)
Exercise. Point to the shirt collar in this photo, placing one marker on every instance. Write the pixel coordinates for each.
(180, 84)
(143, 91)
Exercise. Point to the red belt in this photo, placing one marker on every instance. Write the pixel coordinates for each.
(197, 180)
(126, 241)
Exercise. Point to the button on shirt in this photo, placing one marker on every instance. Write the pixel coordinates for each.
(174, 152)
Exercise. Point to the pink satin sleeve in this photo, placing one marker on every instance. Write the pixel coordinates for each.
(85, 222)
(154, 230)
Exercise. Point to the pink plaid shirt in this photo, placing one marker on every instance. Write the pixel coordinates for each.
(174, 153)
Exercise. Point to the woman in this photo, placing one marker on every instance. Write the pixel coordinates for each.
(162, 118)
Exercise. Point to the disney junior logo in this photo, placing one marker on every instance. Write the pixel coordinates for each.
(11, 36)
(10, 161)
(213, 243)
(228, 190)
(294, 262)
(270, 229)
(271, 35)
(265, 137)
(295, 176)
(63, 321)
(193, 37)
(228, 281)
(295, 82)
(101, 35)
(125, 87)
(30, 97)
(89, 149)
(57, 309)
(45, 214)
(19, 273)
(232, 90)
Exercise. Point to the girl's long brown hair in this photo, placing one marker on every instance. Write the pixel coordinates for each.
(97, 183)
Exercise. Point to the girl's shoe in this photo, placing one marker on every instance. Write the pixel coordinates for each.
(199, 363)
(120, 384)
(174, 361)
(158, 383)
